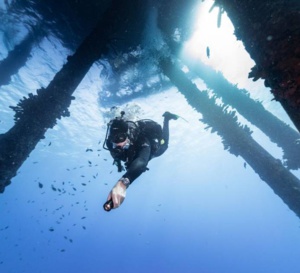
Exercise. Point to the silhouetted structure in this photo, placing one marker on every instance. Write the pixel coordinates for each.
(278, 132)
(271, 34)
(176, 20)
(68, 20)
(237, 139)
(17, 57)
(34, 115)
(254, 112)
(119, 29)
(83, 15)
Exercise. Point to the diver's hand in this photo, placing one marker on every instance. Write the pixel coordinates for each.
(117, 194)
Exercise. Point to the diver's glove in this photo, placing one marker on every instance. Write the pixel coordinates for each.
(117, 194)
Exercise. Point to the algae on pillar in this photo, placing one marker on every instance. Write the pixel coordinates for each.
(37, 113)
(237, 138)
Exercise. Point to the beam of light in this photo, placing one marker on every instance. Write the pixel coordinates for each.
(226, 54)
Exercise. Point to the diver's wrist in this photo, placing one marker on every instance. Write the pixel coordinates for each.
(125, 181)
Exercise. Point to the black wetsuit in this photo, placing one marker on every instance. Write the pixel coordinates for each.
(140, 152)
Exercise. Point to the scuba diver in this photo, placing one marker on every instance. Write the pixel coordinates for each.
(134, 143)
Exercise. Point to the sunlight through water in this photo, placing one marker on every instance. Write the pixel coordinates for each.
(225, 53)
(199, 208)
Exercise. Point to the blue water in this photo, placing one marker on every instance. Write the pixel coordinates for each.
(198, 208)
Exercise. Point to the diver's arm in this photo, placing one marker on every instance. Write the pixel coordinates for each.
(135, 169)
(139, 165)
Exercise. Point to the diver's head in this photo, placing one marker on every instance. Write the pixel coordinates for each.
(118, 133)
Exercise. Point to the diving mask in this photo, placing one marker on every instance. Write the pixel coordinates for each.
(123, 145)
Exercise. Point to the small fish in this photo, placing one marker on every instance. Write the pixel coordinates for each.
(40, 185)
(51, 229)
(88, 150)
(4, 228)
(207, 52)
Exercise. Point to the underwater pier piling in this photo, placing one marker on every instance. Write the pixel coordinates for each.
(37, 113)
(237, 138)
(270, 33)
(277, 131)
(18, 56)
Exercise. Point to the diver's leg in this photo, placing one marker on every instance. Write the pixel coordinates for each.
(165, 133)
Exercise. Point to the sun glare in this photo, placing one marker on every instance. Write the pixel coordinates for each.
(226, 54)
